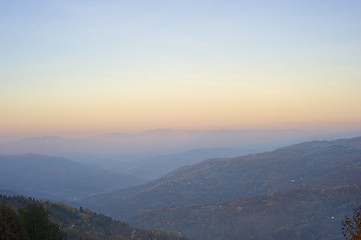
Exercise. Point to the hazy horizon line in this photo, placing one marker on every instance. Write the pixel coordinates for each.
(77, 135)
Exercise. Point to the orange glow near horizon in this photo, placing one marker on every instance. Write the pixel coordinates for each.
(124, 66)
(222, 107)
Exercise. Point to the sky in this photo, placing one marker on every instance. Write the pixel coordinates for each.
(84, 66)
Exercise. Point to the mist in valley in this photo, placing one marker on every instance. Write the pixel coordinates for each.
(173, 120)
(154, 153)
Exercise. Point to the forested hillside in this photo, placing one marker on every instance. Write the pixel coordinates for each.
(80, 224)
(307, 165)
(300, 214)
(299, 192)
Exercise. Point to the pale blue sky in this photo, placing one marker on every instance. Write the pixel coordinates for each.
(275, 54)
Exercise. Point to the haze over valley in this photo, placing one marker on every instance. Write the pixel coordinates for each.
(178, 120)
(152, 154)
(291, 190)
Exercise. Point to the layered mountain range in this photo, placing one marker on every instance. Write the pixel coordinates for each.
(298, 192)
(152, 154)
(58, 178)
(287, 193)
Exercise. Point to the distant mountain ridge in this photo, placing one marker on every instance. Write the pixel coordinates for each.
(151, 154)
(350, 142)
(302, 165)
(57, 178)
(157, 166)
(156, 142)
(299, 192)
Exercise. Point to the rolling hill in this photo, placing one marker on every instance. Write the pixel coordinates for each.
(158, 166)
(297, 214)
(311, 165)
(152, 154)
(58, 178)
(84, 224)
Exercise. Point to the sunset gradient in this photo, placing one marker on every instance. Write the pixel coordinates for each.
(101, 66)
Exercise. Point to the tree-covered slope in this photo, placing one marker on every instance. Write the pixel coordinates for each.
(298, 214)
(86, 225)
(308, 165)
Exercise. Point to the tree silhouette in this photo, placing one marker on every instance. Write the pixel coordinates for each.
(10, 224)
(351, 227)
(37, 223)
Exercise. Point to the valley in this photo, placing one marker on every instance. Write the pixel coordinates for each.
(180, 120)
(302, 191)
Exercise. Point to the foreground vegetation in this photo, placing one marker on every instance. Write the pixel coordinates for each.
(28, 223)
(300, 192)
(27, 218)
(351, 226)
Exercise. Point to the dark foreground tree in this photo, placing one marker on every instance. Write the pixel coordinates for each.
(11, 227)
(351, 227)
(37, 223)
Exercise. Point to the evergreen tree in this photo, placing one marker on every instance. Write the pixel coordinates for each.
(11, 227)
(37, 223)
